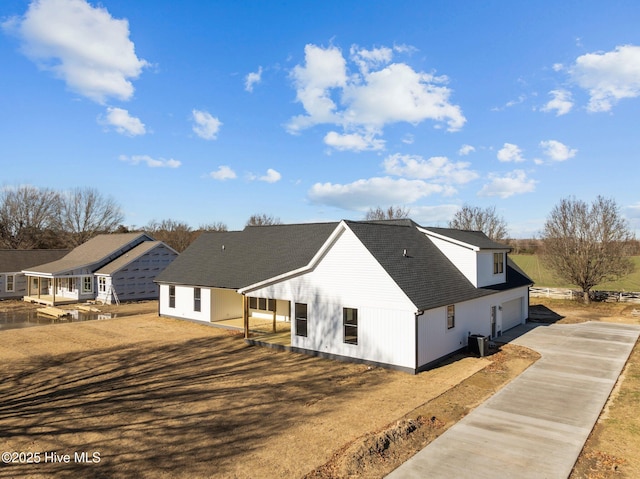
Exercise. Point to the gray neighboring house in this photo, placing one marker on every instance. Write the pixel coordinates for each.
(13, 283)
(389, 293)
(108, 268)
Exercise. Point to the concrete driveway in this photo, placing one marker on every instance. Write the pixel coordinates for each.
(535, 426)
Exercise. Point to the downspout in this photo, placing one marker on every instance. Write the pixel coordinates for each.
(417, 314)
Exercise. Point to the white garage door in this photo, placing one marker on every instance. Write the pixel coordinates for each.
(511, 313)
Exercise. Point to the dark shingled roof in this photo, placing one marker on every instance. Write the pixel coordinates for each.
(258, 253)
(235, 259)
(425, 274)
(15, 260)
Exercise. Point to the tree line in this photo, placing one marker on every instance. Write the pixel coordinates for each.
(44, 218)
(584, 244)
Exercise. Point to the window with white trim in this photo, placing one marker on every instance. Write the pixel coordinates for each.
(172, 296)
(451, 316)
(262, 304)
(102, 284)
(197, 292)
(498, 263)
(350, 325)
(301, 319)
(10, 283)
(87, 284)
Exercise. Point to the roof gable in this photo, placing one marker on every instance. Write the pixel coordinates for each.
(132, 255)
(421, 270)
(92, 254)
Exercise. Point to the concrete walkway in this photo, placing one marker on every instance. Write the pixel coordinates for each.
(536, 426)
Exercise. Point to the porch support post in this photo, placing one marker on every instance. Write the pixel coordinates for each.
(275, 307)
(54, 290)
(245, 315)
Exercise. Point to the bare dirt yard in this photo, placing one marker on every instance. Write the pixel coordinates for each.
(144, 396)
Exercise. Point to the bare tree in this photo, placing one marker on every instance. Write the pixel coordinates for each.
(587, 244)
(176, 234)
(391, 213)
(486, 220)
(263, 220)
(29, 216)
(85, 212)
(217, 226)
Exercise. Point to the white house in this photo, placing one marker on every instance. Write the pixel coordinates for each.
(108, 267)
(388, 293)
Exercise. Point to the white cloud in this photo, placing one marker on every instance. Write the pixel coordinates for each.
(561, 102)
(437, 168)
(465, 150)
(608, 77)
(433, 215)
(408, 139)
(206, 126)
(377, 94)
(324, 69)
(83, 45)
(252, 78)
(508, 185)
(398, 93)
(150, 162)
(223, 173)
(557, 67)
(557, 151)
(123, 122)
(363, 194)
(367, 59)
(510, 152)
(272, 176)
(353, 141)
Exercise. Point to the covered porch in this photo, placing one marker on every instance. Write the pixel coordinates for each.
(263, 321)
(53, 291)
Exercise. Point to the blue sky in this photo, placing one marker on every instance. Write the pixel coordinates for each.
(316, 111)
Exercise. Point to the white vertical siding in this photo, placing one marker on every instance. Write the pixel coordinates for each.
(485, 269)
(471, 317)
(349, 276)
(463, 258)
(184, 303)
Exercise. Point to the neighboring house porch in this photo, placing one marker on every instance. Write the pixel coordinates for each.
(53, 291)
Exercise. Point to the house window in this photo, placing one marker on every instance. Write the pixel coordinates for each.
(196, 299)
(87, 284)
(350, 325)
(172, 296)
(451, 316)
(498, 263)
(10, 284)
(102, 284)
(301, 319)
(262, 304)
